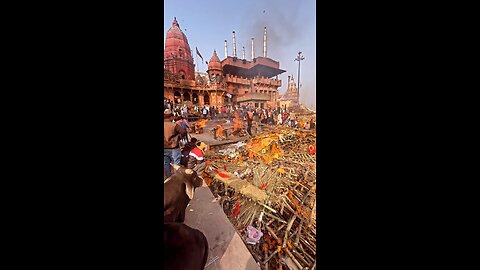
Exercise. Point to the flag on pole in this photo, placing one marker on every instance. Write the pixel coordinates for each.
(198, 53)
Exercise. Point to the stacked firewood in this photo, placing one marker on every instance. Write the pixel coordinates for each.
(270, 184)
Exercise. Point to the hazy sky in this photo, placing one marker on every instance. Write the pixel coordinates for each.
(290, 29)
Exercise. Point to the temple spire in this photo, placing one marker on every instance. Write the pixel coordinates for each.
(175, 23)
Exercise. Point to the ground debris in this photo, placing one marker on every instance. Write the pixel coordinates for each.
(269, 183)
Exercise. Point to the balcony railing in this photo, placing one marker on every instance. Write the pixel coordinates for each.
(239, 80)
(267, 81)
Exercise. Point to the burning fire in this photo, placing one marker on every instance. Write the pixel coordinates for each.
(219, 131)
(201, 124)
(237, 123)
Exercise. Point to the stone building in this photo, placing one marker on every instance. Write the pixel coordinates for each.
(177, 54)
(291, 95)
(230, 81)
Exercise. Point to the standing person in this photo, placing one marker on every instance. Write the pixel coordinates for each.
(204, 112)
(284, 117)
(270, 118)
(287, 119)
(249, 117)
(312, 123)
(279, 119)
(224, 111)
(184, 111)
(255, 115)
(185, 125)
(177, 111)
(228, 113)
(171, 134)
(262, 117)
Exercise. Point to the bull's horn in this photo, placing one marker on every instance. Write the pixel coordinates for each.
(166, 180)
(188, 171)
(175, 166)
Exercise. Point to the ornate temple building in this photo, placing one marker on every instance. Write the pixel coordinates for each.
(231, 81)
(291, 95)
(177, 54)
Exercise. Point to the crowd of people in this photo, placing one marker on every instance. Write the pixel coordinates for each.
(195, 111)
(178, 144)
(275, 116)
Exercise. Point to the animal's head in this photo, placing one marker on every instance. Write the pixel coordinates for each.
(190, 178)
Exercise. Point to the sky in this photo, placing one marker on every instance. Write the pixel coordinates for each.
(291, 28)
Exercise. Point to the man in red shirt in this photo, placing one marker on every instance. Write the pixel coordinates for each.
(196, 161)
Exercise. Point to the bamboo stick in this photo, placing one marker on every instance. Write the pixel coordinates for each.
(281, 227)
(289, 226)
(271, 256)
(267, 207)
(275, 217)
(272, 233)
(294, 259)
(300, 257)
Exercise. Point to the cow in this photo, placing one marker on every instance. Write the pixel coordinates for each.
(184, 247)
(177, 193)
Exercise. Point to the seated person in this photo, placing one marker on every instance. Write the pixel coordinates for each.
(196, 160)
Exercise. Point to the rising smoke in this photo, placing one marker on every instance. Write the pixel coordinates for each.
(285, 37)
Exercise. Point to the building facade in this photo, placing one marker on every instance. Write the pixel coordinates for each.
(231, 81)
(291, 95)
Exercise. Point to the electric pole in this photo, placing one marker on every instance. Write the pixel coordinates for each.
(299, 58)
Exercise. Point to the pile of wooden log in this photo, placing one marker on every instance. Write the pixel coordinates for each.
(272, 187)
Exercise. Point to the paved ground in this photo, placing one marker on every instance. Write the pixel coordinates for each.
(208, 138)
(226, 248)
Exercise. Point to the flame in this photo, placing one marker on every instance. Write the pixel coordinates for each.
(201, 124)
(237, 122)
(219, 131)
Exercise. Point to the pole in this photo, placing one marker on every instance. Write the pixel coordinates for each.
(298, 88)
(196, 56)
(299, 58)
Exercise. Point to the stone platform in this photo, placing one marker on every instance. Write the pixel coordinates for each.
(226, 248)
